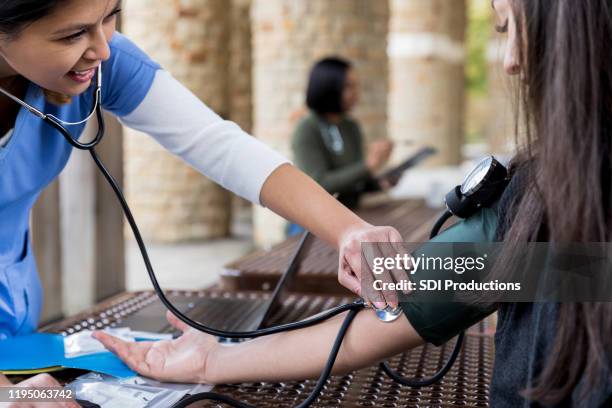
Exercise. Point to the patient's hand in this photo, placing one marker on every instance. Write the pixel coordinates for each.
(179, 360)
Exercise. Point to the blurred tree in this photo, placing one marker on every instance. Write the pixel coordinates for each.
(476, 69)
(478, 35)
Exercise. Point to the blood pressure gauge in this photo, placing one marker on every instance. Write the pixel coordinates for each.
(479, 189)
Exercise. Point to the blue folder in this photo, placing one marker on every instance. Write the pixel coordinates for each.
(40, 350)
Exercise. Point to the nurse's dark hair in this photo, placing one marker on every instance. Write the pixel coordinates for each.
(565, 171)
(326, 84)
(17, 15)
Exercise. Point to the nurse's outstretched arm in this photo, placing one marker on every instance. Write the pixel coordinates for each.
(293, 195)
(295, 355)
(219, 149)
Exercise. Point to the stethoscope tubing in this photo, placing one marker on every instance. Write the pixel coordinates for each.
(352, 308)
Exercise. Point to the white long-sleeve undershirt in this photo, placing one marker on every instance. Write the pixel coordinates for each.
(217, 148)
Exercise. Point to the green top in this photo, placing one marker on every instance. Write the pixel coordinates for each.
(333, 156)
(438, 322)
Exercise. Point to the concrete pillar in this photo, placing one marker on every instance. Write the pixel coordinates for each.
(47, 243)
(240, 86)
(289, 36)
(171, 201)
(241, 98)
(427, 86)
(77, 231)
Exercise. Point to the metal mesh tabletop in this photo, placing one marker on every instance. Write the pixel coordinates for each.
(260, 270)
(466, 384)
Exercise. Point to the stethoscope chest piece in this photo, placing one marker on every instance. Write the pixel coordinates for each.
(388, 314)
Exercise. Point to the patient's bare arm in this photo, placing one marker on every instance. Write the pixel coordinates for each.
(298, 354)
(302, 353)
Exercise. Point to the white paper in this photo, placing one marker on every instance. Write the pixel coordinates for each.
(136, 392)
(83, 344)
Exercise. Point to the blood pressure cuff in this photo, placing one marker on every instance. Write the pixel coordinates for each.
(439, 321)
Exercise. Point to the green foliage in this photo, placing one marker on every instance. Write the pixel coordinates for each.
(478, 34)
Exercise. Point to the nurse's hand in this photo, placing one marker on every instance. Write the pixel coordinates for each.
(358, 276)
(181, 360)
(39, 381)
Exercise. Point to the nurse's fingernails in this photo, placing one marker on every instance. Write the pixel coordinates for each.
(380, 305)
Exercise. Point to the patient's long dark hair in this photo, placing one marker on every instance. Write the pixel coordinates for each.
(566, 97)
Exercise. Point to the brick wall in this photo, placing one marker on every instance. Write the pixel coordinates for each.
(249, 61)
(171, 201)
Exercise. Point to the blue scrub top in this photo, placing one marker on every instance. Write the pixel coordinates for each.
(34, 156)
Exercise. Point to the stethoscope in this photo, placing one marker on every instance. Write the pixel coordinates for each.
(58, 123)
(478, 190)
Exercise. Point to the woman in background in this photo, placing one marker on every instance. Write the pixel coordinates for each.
(328, 143)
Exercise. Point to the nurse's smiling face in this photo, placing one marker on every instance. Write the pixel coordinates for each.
(60, 52)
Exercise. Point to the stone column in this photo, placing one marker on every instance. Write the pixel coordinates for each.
(171, 201)
(241, 98)
(240, 86)
(426, 99)
(289, 36)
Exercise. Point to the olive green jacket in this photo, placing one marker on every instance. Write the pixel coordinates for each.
(337, 165)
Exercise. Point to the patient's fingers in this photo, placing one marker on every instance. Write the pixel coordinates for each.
(134, 354)
(176, 322)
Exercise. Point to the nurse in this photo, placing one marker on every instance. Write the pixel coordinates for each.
(546, 354)
(50, 51)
